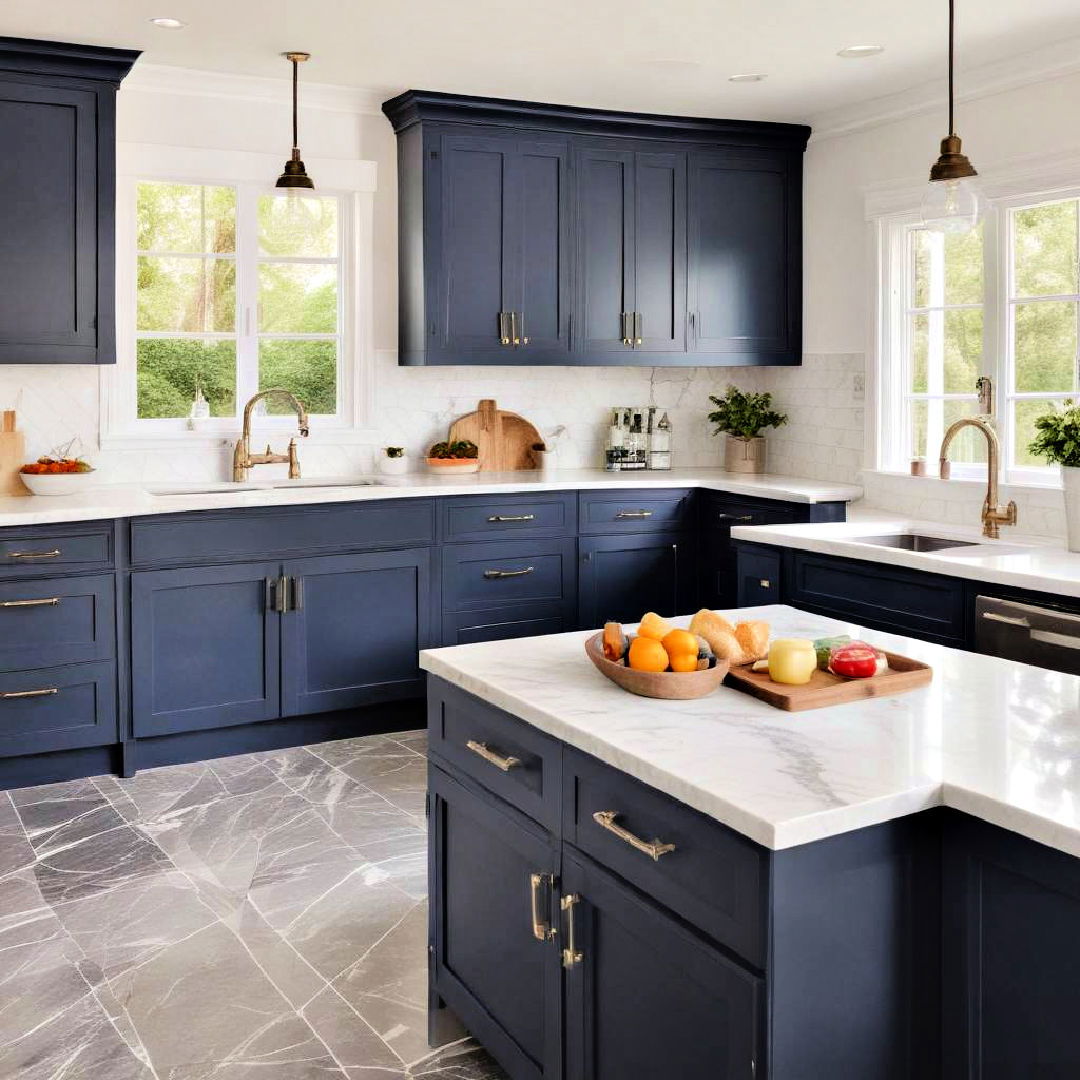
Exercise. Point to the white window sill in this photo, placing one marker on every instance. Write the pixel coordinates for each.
(223, 439)
(1052, 482)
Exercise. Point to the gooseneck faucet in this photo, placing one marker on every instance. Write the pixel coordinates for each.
(993, 515)
(243, 458)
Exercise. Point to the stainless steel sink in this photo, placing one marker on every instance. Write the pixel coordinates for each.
(914, 542)
(320, 482)
(209, 489)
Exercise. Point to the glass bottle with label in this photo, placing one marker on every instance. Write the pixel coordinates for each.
(660, 445)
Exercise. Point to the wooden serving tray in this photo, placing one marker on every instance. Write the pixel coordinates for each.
(505, 440)
(824, 688)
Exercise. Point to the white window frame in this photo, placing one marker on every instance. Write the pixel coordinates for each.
(893, 346)
(353, 183)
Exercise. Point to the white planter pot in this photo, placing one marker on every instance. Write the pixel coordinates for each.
(393, 466)
(1070, 481)
(744, 455)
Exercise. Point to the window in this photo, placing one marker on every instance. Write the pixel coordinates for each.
(1001, 301)
(237, 290)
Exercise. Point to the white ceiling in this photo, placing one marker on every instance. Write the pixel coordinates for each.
(667, 56)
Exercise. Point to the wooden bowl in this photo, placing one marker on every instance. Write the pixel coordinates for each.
(681, 685)
(453, 466)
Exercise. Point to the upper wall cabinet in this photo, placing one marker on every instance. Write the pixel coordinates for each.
(58, 187)
(543, 234)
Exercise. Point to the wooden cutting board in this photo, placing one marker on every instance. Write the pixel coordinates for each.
(825, 688)
(504, 438)
(12, 456)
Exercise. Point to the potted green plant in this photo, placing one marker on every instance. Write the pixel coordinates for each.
(1057, 438)
(454, 458)
(742, 417)
(392, 461)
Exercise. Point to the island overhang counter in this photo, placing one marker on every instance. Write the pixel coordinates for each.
(637, 888)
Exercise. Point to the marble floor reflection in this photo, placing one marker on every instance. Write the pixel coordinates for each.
(249, 917)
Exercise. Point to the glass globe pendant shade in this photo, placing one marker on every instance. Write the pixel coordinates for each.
(952, 206)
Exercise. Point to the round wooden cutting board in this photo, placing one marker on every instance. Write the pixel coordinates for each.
(505, 439)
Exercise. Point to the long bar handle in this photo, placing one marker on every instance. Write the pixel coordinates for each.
(512, 517)
(514, 333)
(633, 514)
(48, 601)
(735, 517)
(627, 340)
(54, 554)
(1011, 620)
(654, 849)
(29, 693)
(504, 333)
(637, 327)
(571, 955)
(281, 595)
(504, 763)
(492, 575)
(541, 929)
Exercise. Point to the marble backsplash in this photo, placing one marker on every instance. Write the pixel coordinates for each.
(414, 406)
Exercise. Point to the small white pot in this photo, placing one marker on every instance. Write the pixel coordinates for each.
(744, 455)
(1070, 481)
(546, 461)
(393, 466)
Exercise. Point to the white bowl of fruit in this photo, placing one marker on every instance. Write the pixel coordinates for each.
(57, 476)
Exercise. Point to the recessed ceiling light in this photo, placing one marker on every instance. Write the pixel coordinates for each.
(749, 77)
(860, 52)
(167, 23)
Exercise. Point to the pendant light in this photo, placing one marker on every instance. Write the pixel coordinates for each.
(951, 202)
(295, 177)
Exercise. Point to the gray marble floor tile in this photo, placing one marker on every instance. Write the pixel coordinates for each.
(348, 1037)
(368, 759)
(404, 785)
(461, 1061)
(15, 849)
(413, 740)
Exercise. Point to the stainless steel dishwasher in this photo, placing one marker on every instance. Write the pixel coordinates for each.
(1042, 636)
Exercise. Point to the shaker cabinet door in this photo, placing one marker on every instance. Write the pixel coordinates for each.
(745, 256)
(492, 963)
(646, 998)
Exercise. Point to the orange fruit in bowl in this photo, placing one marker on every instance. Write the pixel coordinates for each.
(647, 654)
(652, 626)
(680, 641)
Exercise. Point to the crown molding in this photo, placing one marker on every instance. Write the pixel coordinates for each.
(191, 82)
(1041, 65)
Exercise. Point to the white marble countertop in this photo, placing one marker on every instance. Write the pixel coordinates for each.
(996, 739)
(1022, 561)
(136, 500)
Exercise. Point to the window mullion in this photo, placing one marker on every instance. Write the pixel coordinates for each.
(247, 293)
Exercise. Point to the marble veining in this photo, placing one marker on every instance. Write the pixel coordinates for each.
(260, 917)
(997, 739)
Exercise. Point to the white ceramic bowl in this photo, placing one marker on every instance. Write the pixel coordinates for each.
(58, 483)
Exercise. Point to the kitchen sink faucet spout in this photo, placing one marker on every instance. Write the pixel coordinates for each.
(244, 459)
(993, 514)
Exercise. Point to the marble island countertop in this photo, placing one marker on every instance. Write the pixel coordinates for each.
(136, 500)
(990, 737)
(1025, 562)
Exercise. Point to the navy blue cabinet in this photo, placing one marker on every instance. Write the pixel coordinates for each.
(686, 235)
(57, 247)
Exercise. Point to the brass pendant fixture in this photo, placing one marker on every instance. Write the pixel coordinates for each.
(295, 175)
(952, 202)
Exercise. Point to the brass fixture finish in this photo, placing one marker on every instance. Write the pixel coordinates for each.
(623, 514)
(512, 329)
(294, 174)
(50, 601)
(571, 955)
(654, 849)
(541, 929)
(10, 694)
(244, 459)
(493, 575)
(953, 164)
(993, 514)
(505, 764)
(54, 554)
(512, 517)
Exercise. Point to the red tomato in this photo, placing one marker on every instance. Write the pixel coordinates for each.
(853, 661)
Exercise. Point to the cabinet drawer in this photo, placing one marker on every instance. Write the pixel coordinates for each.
(56, 621)
(57, 708)
(633, 510)
(499, 624)
(471, 518)
(712, 877)
(40, 551)
(882, 597)
(505, 755)
(722, 511)
(759, 576)
(261, 532)
(511, 571)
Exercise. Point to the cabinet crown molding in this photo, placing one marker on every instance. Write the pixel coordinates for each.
(28, 56)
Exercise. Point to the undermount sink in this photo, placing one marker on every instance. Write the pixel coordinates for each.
(208, 489)
(914, 542)
(320, 482)
(228, 488)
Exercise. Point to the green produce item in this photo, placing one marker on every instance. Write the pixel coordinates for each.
(824, 647)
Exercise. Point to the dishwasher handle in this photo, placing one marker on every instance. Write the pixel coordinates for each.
(1016, 630)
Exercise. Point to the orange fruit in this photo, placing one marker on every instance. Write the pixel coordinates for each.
(652, 626)
(684, 662)
(647, 654)
(680, 641)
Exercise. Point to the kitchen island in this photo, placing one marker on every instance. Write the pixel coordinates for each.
(624, 887)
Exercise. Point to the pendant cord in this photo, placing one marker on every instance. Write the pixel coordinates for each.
(295, 77)
(952, 20)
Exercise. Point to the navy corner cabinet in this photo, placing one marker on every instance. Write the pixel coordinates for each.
(545, 234)
(174, 637)
(57, 247)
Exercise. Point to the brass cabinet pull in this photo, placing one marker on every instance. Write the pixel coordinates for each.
(765, 583)
(504, 763)
(606, 820)
(298, 594)
(633, 514)
(504, 333)
(512, 517)
(571, 955)
(735, 517)
(54, 554)
(281, 595)
(627, 340)
(492, 575)
(637, 328)
(269, 597)
(29, 693)
(514, 328)
(48, 601)
(541, 930)
(520, 317)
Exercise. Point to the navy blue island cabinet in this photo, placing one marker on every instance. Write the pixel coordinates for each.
(57, 247)
(585, 926)
(545, 234)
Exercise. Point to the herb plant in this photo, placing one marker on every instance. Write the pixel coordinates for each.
(395, 451)
(1058, 436)
(461, 448)
(743, 416)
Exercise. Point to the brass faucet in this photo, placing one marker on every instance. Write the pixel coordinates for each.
(993, 514)
(243, 458)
